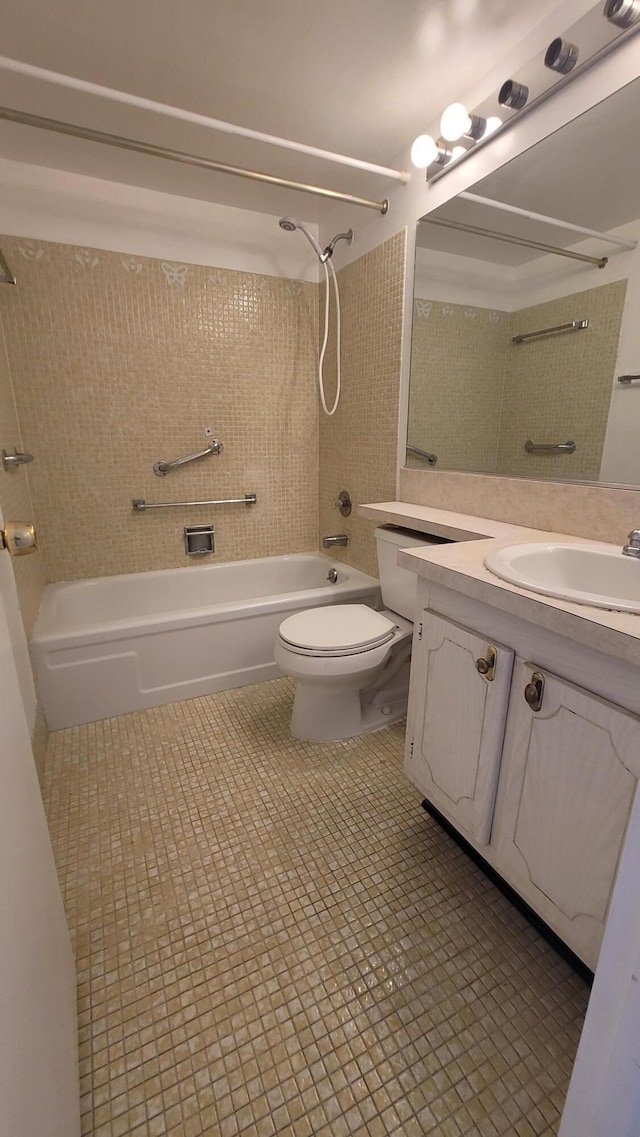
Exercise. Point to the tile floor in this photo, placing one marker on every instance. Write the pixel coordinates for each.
(273, 937)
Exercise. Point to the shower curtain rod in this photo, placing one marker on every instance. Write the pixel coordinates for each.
(509, 239)
(10, 115)
(624, 242)
(61, 80)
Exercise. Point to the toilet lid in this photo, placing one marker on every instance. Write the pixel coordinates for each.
(337, 628)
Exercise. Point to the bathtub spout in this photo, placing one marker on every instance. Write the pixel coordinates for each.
(337, 539)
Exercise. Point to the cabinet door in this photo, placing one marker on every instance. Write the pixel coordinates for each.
(459, 731)
(570, 772)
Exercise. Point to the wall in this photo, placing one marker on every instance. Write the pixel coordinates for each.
(358, 444)
(475, 397)
(457, 383)
(601, 513)
(16, 502)
(120, 360)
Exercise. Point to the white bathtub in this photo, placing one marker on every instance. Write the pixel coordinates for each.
(122, 643)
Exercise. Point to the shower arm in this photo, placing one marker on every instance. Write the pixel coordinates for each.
(162, 468)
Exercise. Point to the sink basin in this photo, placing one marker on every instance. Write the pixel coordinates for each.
(585, 574)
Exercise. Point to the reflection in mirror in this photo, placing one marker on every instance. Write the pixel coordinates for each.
(516, 350)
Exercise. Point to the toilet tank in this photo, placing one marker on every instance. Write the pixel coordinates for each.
(398, 585)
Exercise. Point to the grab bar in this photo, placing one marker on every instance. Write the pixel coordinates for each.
(628, 379)
(549, 447)
(161, 468)
(574, 326)
(140, 504)
(430, 458)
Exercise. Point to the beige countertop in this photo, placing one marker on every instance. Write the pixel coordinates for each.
(460, 567)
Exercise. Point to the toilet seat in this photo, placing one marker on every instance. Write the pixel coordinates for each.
(336, 630)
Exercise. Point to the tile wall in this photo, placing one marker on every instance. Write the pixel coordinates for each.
(16, 501)
(118, 361)
(476, 397)
(358, 444)
(458, 356)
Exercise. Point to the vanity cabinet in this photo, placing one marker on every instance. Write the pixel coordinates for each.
(537, 773)
(457, 750)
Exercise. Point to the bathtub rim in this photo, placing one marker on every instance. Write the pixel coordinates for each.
(357, 583)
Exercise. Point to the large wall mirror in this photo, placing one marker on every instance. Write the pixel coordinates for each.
(521, 357)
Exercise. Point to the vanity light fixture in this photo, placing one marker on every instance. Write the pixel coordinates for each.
(622, 13)
(513, 95)
(456, 122)
(561, 56)
(426, 151)
(471, 130)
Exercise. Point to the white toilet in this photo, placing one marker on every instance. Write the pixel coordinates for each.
(351, 663)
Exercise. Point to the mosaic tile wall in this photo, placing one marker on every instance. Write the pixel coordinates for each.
(476, 397)
(559, 388)
(358, 444)
(118, 361)
(458, 356)
(15, 496)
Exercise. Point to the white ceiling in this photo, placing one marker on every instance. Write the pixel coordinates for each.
(358, 76)
(587, 173)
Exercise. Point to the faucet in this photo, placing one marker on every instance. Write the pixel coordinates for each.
(633, 548)
(342, 539)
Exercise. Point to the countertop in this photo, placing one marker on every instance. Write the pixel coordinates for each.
(460, 567)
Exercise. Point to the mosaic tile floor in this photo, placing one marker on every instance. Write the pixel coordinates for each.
(272, 937)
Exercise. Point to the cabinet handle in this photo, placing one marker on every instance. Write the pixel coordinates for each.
(534, 691)
(487, 665)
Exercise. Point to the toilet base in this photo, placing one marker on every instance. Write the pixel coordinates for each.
(332, 716)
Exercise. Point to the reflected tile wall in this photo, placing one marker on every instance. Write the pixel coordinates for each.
(119, 361)
(476, 397)
(358, 444)
(458, 356)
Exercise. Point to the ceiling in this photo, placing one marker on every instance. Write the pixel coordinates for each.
(361, 77)
(587, 173)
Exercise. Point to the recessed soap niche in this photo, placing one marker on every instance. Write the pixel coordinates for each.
(199, 540)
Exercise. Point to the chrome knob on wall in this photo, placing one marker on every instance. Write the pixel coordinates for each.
(343, 503)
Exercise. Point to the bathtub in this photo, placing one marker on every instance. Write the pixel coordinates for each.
(122, 643)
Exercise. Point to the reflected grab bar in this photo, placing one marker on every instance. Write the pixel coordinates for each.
(430, 458)
(549, 447)
(140, 505)
(574, 326)
(162, 468)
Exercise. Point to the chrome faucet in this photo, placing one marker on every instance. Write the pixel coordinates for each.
(633, 548)
(338, 539)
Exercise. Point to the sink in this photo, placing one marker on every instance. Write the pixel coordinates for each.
(585, 574)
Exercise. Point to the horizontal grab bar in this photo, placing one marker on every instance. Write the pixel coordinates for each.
(628, 379)
(140, 505)
(161, 468)
(549, 447)
(574, 326)
(430, 458)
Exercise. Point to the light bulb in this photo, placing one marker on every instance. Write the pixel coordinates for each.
(493, 122)
(424, 151)
(455, 122)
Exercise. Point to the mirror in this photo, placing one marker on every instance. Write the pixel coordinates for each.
(517, 351)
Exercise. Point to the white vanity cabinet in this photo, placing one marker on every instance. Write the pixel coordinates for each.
(455, 755)
(535, 771)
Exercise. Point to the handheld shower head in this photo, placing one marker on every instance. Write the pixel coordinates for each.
(288, 224)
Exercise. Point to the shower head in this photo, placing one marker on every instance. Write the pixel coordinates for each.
(289, 224)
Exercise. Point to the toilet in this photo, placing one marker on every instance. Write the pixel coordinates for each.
(350, 662)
